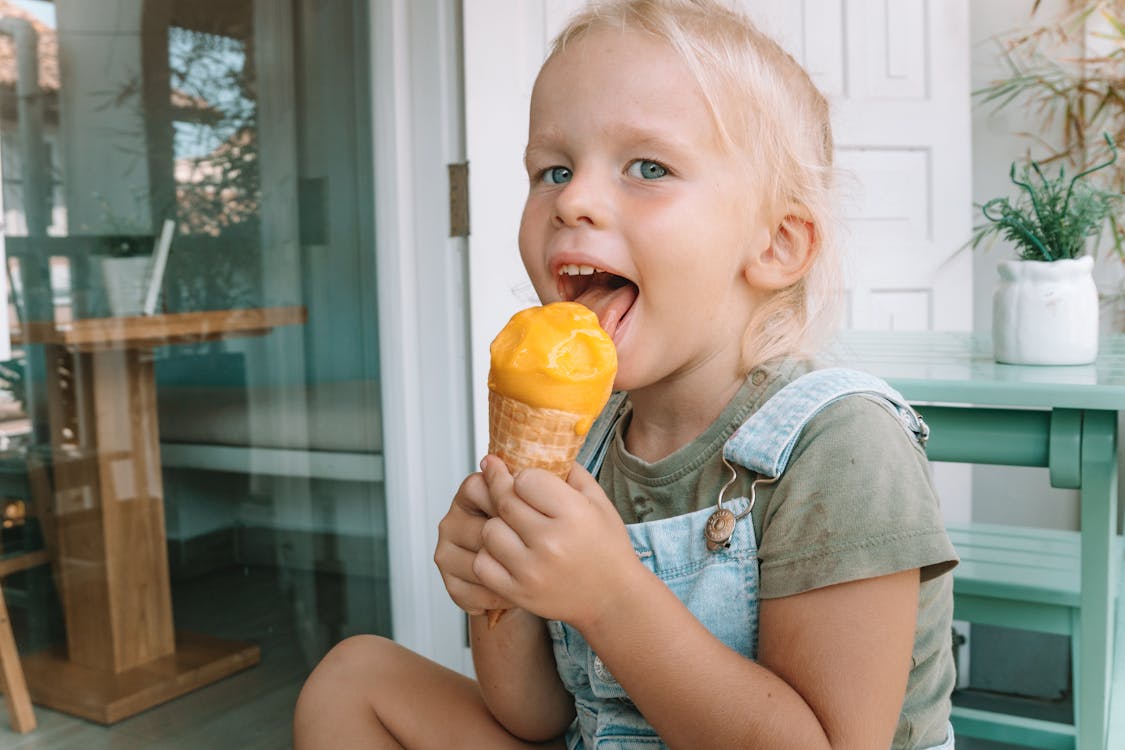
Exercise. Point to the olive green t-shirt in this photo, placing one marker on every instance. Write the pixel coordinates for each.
(854, 502)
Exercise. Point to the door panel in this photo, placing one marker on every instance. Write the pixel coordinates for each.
(897, 76)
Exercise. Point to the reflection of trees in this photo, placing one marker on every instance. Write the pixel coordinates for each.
(215, 147)
(220, 189)
(216, 170)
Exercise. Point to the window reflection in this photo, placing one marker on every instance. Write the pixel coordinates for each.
(215, 152)
(238, 419)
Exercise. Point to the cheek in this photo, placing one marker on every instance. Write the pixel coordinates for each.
(532, 245)
(530, 242)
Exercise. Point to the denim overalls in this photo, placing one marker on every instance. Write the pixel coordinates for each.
(719, 586)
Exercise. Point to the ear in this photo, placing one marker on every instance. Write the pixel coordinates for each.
(787, 257)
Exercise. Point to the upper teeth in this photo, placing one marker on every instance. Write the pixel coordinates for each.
(573, 269)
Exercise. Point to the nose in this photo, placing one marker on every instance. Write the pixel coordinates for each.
(583, 200)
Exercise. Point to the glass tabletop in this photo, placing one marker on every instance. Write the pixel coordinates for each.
(956, 367)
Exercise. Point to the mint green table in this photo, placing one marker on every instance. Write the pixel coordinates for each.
(1064, 418)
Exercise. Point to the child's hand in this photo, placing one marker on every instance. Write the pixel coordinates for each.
(459, 541)
(558, 549)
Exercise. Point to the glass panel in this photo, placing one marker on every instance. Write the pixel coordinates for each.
(190, 419)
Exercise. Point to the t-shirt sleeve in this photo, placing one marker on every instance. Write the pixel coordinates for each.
(856, 501)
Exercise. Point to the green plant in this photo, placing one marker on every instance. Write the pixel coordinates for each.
(12, 379)
(1068, 71)
(125, 246)
(1053, 217)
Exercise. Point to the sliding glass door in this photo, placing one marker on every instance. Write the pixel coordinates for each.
(191, 420)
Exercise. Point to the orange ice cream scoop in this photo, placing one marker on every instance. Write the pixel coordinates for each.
(551, 375)
(554, 357)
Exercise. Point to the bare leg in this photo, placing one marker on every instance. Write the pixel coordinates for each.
(369, 692)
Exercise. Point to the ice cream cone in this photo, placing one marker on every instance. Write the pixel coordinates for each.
(525, 437)
(552, 372)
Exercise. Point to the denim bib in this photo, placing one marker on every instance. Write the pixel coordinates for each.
(719, 586)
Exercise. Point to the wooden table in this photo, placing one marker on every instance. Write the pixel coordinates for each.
(970, 398)
(122, 655)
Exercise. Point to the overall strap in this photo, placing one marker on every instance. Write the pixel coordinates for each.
(593, 450)
(763, 443)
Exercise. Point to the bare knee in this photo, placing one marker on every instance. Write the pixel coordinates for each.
(356, 657)
(346, 679)
(351, 663)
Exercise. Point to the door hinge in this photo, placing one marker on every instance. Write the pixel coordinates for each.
(459, 199)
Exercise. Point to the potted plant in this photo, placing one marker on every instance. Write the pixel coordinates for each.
(12, 380)
(1065, 70)
(125, 264)
(1045, 309)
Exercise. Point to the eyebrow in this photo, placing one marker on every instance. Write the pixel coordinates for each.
(640, 138)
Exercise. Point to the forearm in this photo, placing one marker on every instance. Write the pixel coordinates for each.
(720, 698)
(516, 670)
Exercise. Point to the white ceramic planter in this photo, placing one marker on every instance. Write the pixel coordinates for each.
(1045, 313)
(126, 280)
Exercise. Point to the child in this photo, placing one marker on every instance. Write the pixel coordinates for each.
(688, 160)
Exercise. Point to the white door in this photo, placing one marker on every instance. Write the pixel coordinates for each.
(897, 75)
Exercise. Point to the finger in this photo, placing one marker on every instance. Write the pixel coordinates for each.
(496, 477)
(460, 529)
(506, 502)
(520, 509)
(584, 481)
(503, 543)
(473, 496)
(543, 491)
(491, 573)
(456, 561)
(474, 598)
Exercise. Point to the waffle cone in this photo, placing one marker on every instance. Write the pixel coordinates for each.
(528, 437)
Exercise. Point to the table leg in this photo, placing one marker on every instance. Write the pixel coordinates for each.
(112, 565)
(1099, 528)
(109, 515)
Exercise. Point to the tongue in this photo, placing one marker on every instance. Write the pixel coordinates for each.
(610, 305)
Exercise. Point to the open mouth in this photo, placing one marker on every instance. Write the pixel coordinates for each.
(608, 295)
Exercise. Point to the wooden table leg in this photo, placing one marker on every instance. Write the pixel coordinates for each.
(112, 562)
(12, 679)
(109, 514)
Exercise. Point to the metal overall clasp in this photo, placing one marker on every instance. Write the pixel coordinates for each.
(721, 523)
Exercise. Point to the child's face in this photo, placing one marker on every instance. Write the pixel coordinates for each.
(629, 175)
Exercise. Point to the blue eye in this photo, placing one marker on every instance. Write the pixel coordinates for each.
(646, 169)
(556, 175)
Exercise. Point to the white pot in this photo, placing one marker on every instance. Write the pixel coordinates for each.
(1045, 313)
(126, 281)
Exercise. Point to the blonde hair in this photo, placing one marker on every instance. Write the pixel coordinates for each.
(766, 108)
